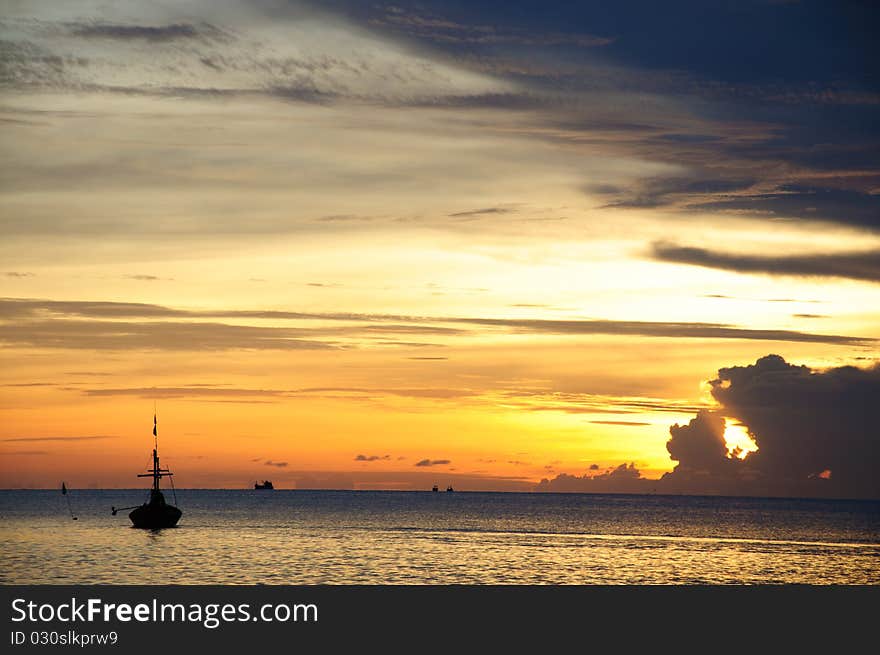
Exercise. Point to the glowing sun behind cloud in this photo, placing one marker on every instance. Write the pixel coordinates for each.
(739, 442)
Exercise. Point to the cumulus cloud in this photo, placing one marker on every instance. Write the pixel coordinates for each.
(806, 421)
(433, 462)
(625, 478)
(815, 430)
(700, 444)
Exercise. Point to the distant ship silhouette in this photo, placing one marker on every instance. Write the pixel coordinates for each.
(266, 484)
(155, 513)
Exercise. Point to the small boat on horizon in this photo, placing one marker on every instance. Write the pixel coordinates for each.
(266, 484)
(435, 488)
(156, 513)
(449, 489)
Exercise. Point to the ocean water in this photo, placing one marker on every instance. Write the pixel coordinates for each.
(375, 537)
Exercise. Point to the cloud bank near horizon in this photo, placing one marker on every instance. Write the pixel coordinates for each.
(815, 431)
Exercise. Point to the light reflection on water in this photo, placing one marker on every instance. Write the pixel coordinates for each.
(305, 537)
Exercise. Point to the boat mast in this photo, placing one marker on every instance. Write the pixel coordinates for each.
(155, 472)
(156, 475)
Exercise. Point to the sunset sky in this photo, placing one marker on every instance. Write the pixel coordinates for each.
(365, 245)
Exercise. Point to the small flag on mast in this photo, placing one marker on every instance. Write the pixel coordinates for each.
(154, 425)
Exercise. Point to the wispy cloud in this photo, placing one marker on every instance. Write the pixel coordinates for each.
(804, 201)
(484, 211)
(144, 278)
(722, 296)
(630, 423)
(73, 438)
(119, 335)
(495, 395)
(210, 391)
(153, 33)
(666, 191)
(731, 153)
(660, 329)
(437, 28)
(573, 402)
(371, 458)
(32, 323)
(861, 265)
(433, 462)
(242, 53)
(201, 391)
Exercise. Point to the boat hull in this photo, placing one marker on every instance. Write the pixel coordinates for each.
(154, 517)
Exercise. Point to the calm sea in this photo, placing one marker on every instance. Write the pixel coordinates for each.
(373, 537)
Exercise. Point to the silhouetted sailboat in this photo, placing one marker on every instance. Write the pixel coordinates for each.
(266, 484)
(69, 507)
(155, 513)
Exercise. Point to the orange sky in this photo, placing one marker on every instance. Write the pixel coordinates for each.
(298, 282)
(503, 409)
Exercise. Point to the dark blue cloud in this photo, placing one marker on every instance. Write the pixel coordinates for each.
(735, 41)
(809, 202)
(803, 75)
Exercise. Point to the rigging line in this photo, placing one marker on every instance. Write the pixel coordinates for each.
(173, 490)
